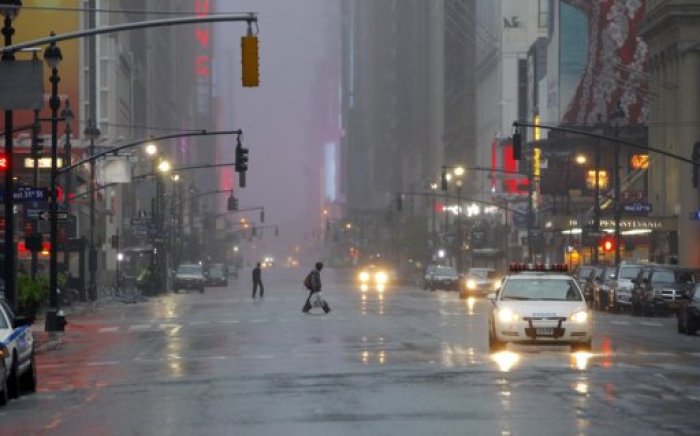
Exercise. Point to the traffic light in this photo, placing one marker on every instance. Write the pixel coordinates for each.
(232, 204)
(517, 146)
(443, 181)
(4, 162)
(249, 60)
(399, 202)
(608, 244)
(241, 158)
(262, 216)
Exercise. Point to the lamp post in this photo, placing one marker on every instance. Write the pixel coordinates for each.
(163, 168)
(10, 10)
(53, 57)
(457, 173)
(68, 116)
(92, 132)
(617, 117)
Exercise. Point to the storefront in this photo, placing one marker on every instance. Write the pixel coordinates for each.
(643, 239)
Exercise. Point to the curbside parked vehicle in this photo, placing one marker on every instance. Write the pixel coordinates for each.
(601, 287)
(217, 275)
(17, 365)
(660, 289)
(621, 286)
(689, 313)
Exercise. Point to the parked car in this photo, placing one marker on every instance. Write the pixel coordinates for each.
(17, 362)
(479, 281)
(585, 275)
(601, 287)
(217, 275)
(660, 289)
(689, 312)
(189, 276)
(444, 277)
(621, 286)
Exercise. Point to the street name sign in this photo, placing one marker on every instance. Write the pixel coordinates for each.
(46, 215)
(24, 194)
(643, 208)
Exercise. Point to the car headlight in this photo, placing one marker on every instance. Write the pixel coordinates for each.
(364, 276)
(381, 278)
(471, 284)
(497, 285)
(579, 317)
(507, 315)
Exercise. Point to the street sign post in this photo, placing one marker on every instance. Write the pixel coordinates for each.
(25, 194)
(60, 215)
(637, 208)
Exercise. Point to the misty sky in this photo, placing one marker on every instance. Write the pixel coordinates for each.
(286, 119)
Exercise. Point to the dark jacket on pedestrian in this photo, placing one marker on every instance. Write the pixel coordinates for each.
(257, 275)
(315, 281)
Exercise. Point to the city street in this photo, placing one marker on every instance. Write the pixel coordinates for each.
(412, 362)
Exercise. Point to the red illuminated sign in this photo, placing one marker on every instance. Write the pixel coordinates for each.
(203, 61)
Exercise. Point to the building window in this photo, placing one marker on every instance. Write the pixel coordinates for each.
(543, 14)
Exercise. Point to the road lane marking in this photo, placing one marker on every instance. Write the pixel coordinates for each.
(620, 322)
(651, 324)
(108, 329)
(198, 323)
(106, 363)
(139, 327)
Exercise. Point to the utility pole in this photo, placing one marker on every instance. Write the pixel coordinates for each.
(530, 204)
(9, 251)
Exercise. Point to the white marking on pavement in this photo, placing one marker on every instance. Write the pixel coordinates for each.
(108, 329)
(231, 321)
(651, 324)
(620, 322)
(107, 363)
(198, 323)
(168, 326)
(139, 327)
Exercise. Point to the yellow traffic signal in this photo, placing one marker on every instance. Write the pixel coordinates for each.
(250, 61)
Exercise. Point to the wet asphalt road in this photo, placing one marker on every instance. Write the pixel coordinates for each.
(412, 362)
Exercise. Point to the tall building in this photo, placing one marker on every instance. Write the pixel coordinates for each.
(672, 31)
(392, 104)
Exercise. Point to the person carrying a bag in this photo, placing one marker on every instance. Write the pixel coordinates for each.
(312, 282)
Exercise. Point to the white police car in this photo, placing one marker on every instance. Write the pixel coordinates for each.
(539, 305)
(17, 366)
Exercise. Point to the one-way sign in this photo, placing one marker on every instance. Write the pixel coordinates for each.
(60, 215)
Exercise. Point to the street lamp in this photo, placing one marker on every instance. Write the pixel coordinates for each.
(10, 10)
(151, 149)
(53, 57)
(581, 159)
(92, 132)
(68, 116)
(164, 166)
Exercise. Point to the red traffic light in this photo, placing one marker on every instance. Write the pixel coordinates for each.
(608, 244)
(4, 162)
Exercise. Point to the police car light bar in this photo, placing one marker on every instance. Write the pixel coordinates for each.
(539, 267)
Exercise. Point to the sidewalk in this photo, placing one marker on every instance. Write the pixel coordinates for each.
(48, 341)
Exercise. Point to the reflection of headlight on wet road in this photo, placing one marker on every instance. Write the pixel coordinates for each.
(505, 360)
(364, 287)
(364, 276)
(380, 288)
(471, 284)
(381, 278)
(579, 360)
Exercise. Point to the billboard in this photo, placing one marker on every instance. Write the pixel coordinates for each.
(37, 19)
(602, 61)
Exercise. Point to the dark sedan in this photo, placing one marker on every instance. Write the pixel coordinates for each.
(689, 313)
